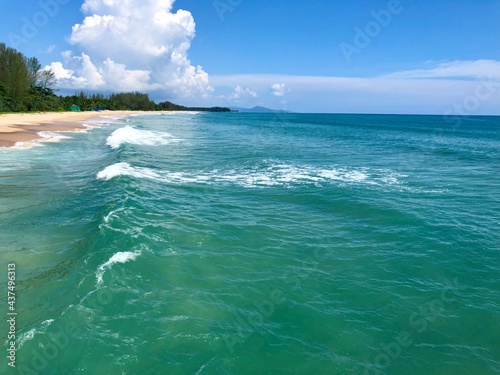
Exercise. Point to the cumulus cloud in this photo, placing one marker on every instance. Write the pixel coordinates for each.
(133, 45)
(279, 89)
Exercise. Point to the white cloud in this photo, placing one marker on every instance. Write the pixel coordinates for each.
(437, 89)
(60, 72)
(455, 69)
(279, 89)
(241, 93)
(138, 45)
(50, 48)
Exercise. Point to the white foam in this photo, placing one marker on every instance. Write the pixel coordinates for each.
(285, 175)
(106, 218)
(120, 257)
(124, 169)
(355, 176)
(89, 126)
(134, 136)
(342, 175)
(52, 136)
(106, 119)
(109, 216)
(99, 122)
(273, 175)
(45, 136)
(26, 145)
(26, 336)
(170, 113)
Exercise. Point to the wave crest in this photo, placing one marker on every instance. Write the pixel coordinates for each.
(124, 169)
(120, 257)
(131, 135)
(272, 175)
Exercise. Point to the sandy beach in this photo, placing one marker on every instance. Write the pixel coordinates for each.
(24, 127)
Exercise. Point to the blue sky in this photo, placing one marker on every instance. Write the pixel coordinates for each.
(396, 56)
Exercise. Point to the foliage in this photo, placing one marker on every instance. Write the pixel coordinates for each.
(25, 86)
(168, 106)
(13, 74)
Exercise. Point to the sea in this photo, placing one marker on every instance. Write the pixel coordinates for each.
(243, 243)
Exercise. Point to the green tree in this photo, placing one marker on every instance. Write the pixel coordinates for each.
(4, 100)
(46, 79)
(24, 85)
(34, 68)
(14, 75)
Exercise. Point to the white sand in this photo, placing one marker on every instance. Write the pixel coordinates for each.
(9, 122)
(23, 127)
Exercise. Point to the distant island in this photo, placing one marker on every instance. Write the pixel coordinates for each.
(26, 87)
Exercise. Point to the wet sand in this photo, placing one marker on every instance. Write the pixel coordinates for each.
(25, 127)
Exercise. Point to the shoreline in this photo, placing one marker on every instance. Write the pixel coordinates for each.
(25, 127)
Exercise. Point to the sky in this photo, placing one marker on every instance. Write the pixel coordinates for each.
(331, 56)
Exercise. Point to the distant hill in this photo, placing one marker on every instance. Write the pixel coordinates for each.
(258, 109)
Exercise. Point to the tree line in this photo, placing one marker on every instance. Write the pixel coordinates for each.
(26, 87)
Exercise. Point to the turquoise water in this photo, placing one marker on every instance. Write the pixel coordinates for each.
(256, 244)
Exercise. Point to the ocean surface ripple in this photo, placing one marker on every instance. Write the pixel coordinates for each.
(256, 243)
